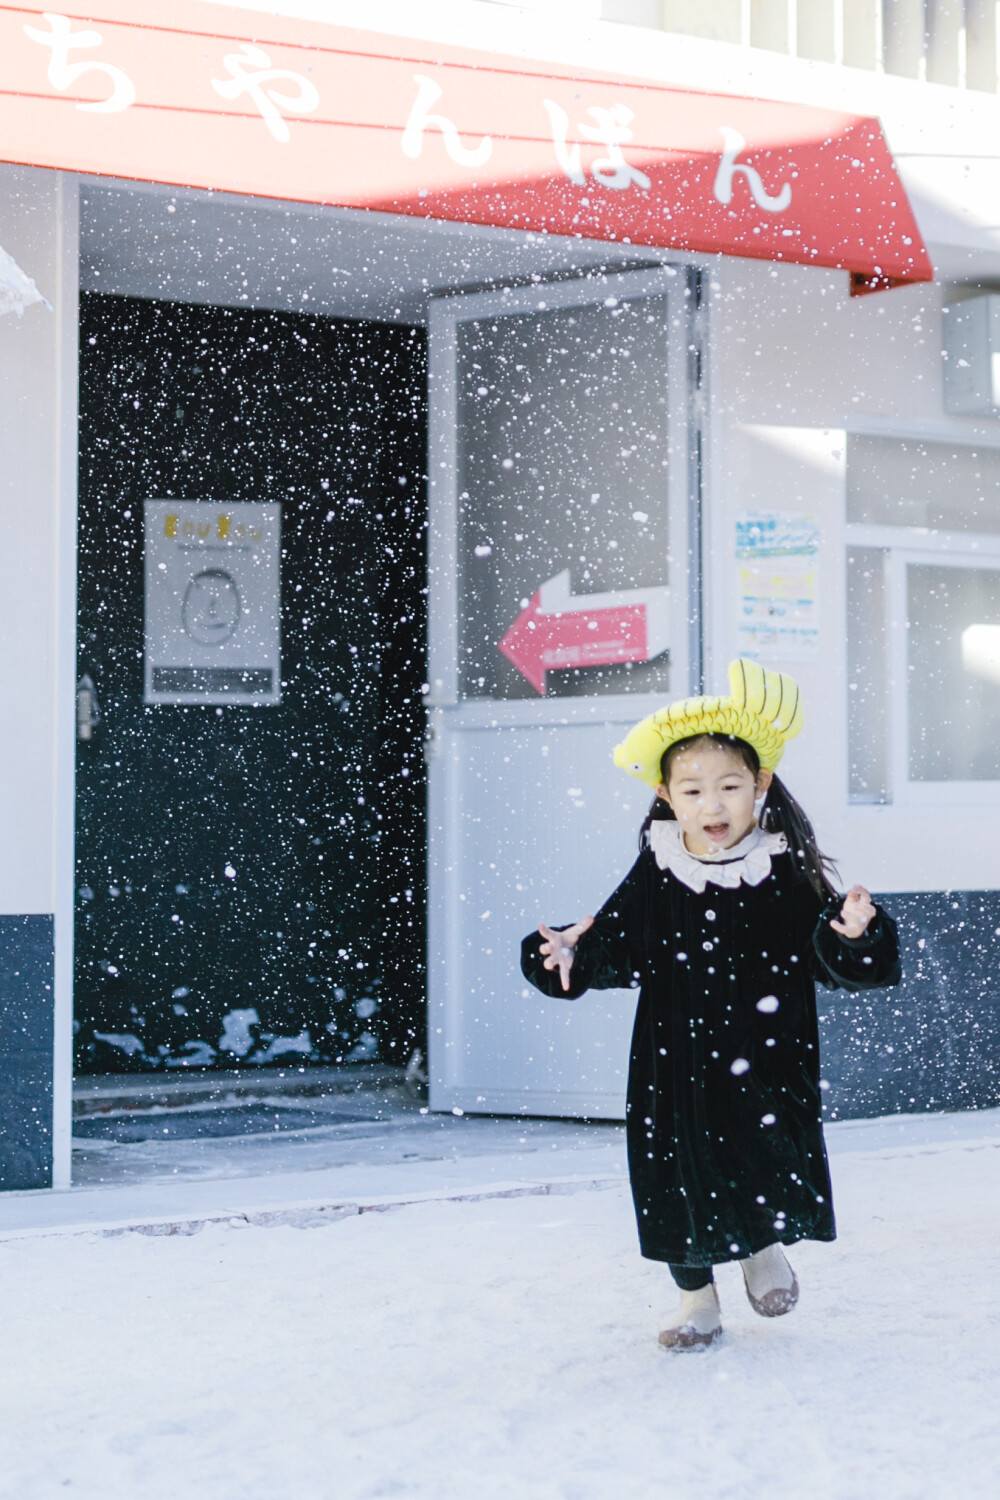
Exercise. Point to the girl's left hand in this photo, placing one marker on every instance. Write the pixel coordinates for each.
(855, 914)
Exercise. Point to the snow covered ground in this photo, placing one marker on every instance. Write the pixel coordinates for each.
(506, 1348)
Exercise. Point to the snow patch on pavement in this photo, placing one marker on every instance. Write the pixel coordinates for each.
(507, 1347)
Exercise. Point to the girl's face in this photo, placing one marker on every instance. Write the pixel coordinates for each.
(712, 794)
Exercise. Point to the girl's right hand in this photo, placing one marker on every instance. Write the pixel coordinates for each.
(559, 948)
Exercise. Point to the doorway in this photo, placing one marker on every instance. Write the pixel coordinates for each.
(250, 874)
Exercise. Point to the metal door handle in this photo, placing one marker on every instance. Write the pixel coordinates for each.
(88, 711)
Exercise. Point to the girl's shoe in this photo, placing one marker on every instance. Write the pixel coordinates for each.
(699, 1322)
(772, 1286)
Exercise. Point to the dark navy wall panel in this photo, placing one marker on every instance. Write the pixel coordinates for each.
(933, 1043)
(26, 1044)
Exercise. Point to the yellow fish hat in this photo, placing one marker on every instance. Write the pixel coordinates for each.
(764, 708)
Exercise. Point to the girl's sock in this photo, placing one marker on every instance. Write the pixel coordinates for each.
(698, 1323)
(691, 1278)
(771, 1283)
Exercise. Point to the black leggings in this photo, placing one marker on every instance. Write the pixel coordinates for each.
(691, 1278)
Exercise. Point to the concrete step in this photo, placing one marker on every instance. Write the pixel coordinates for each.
(133, 1092)
(308, 1214)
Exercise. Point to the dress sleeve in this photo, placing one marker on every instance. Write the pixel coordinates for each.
(865, 963)
(607, 956)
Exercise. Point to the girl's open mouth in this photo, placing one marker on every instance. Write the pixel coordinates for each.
(717, 830)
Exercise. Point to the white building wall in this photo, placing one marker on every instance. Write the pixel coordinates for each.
(30, 377)
(796, 364)
(37, 632)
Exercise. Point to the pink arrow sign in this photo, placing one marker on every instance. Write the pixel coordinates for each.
(559, 629)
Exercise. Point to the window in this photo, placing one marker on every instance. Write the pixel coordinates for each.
(923, 597)
(920, 485)
(562, 470)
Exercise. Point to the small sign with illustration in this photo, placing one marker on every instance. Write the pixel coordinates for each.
(213, 602)
(777, 556)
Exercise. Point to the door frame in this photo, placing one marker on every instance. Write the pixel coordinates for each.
(64, 706)
(447, 713)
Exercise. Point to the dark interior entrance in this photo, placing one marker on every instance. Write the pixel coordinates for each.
(251, 879)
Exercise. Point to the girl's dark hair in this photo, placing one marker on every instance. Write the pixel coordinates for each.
(782, 814)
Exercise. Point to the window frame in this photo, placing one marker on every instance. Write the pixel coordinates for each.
(901, 546)
(673, 281)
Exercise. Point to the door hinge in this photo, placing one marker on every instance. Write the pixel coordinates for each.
(433, 735)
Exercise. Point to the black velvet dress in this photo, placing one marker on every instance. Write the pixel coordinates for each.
(725, 1141)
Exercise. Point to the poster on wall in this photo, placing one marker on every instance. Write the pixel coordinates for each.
(777, 558)
(213, 602)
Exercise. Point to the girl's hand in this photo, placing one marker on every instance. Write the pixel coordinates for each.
(559, 948)
(855, 914)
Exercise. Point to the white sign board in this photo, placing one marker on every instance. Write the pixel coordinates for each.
(213, 602)
(777, 555)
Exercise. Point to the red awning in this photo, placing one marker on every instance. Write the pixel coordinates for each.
(201, 96)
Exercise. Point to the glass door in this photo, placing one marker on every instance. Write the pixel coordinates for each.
(564, 589)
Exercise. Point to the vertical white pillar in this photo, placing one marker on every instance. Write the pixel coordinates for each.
(816, 30)
(946, 42)
(772, 25)
(718, 20)
(37, 628)
(632, 12)
(903, 37)
(981, 45)
(862, 38)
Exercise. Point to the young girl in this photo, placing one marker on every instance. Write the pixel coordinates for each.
(726, 924)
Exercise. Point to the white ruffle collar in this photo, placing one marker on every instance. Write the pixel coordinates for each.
(748, 861)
